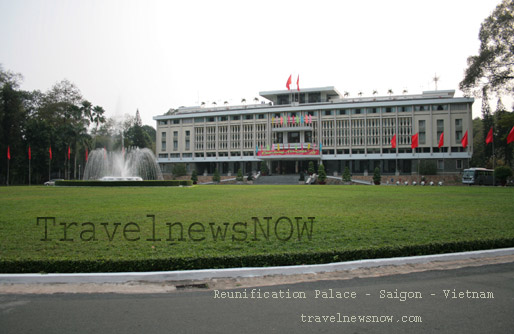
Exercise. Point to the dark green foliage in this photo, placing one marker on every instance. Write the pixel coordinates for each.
(179, 170)
(239, 177)
(502, 173)
(322, 175)
(346, 175)
(216, 177)
(492, 68)
(376, 175)
(428, 167)
(250, 177)
(234, 261)
(145, 183)
(194, 176)
(264, 169)
(310, 169)
(302, 177)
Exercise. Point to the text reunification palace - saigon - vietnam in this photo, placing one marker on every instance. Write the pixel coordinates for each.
(292, 128)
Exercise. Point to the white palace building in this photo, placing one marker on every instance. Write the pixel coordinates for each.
(290, 128)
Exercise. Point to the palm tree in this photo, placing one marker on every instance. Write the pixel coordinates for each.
(256, 100)
(346, 94)
(390, 91)
(375, 92)
(225, 103)
(214, 103)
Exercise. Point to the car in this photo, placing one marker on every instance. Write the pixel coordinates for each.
(52, 182)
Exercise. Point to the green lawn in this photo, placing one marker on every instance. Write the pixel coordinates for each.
(345, 218)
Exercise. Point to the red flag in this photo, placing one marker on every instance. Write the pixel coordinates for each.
(489, 138)
(464, 140)
(69, 152)
(86, 154)
(441, 140)
(30, 155)
(298, 83)
(414, 141)
(50, 152)
(510, 137)
(393, 141)
(288, 84)
(8, 153)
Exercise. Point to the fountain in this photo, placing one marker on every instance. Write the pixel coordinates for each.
(134, 164)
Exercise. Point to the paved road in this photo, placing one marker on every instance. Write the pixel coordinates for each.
(200, 312)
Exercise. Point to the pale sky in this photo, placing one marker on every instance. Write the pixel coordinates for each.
(156, 55)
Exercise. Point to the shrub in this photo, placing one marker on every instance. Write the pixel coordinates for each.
(239, 177)
(216, 177)
(322, 175)
(311, 168)
(376, 175)
(194, 177)
(346, 175)
(178, 170)
(427, 167)
(502, 173)
(145, 183)
(264, 169)
(250, 177)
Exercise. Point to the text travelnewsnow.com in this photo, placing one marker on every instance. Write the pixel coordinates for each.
(258, 229)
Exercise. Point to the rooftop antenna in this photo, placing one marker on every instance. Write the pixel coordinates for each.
(436, 79)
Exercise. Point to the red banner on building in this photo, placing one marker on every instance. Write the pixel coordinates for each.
(292, 151)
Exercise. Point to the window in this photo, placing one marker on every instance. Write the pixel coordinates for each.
(163, 122)
(187, 140)
(199, 120)
(328, 112)
(458, 129)
(388, 109)
(211, 119)
(308, 136)
(248, 116)
(283, 99)
(357, 111)
(235, 118)
(163, 155)
(342, 112)
(176, 121)
(314, 97)
(440, 107)
(187, 121)
(163, 141)
(404, 109)
(175, 140)
(421, 108)
(261, 116)
(459, 164)
(372, 110)
(223, 118)
(421, 130)
(440, 164)
(440, 128)
(293, 137)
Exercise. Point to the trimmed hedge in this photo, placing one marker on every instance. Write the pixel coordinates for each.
(261, 260)
(146, 183)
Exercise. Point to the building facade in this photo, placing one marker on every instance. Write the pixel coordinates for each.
(291, 128)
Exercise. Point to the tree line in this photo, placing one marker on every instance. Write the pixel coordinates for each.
(52, 132)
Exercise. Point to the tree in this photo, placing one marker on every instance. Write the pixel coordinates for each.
(239, 177)
(502, 173)
(194, 176)
(178, 170)
(216, 177)
(322, 175)
(376, 176)
(346, 175)
(310, 169)
(492, 68)
(264, 169)
(136, 136)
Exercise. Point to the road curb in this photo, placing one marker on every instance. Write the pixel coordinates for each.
(203, 274)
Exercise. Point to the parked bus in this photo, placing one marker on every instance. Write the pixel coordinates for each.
(480, 176)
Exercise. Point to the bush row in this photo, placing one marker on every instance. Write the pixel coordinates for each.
(260, 260)
(146, 183)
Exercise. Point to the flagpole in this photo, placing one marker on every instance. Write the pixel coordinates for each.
(29, 172)
(494, 158)
(8, 160)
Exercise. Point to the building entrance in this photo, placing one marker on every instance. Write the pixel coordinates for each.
(280, 167)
